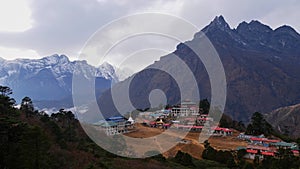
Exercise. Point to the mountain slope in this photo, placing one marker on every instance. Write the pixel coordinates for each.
(49, 80)
(261, 65)
(286, 120)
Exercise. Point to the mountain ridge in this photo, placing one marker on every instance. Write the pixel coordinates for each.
(50, 78)
(285, 120)
(261, 72)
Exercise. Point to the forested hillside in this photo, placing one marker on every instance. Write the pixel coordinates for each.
(34, 140)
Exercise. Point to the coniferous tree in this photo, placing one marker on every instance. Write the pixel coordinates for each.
(5, 91)
(259, 125)
(6, 103)
(204, 106)
(27, 106)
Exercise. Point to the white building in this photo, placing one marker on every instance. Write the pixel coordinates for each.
(115, 125)
(186, 108)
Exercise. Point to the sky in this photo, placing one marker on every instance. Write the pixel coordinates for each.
(38, 28)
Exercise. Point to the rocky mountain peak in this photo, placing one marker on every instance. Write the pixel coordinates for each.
(106, 65)
(285, 29)
(108, 71)
(218, 23)
(56, 59)
(257, 77)
(253, 26)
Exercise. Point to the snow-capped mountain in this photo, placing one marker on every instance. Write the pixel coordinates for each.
(50, 78)
(107, 71)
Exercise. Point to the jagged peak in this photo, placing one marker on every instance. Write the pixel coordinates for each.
(253, 25)
(62, 56)
(106, 64)
(55, 58)
(286, 29)
(218, 22)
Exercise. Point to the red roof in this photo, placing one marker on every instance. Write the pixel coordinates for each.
(146, 121)
(152, 122)
(295, 152)
(272, 141)
(257, 139)
(268, 153)
(251, 151)
(256, 147)
(183, 126)
(264, 140)
(197, 127)
(202, 119)
(221, 129)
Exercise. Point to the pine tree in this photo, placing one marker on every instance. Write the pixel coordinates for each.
(27, 106)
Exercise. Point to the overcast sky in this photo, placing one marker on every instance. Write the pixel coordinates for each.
(37, 28)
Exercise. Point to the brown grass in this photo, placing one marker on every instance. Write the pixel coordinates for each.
(195, 148)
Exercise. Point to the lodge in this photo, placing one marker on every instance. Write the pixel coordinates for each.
(115, 125)
(186, 108)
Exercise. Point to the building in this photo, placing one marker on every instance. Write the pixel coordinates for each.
(285, 145)
(244, 136)
(115, 125)
(189, 127)
(260, 151)
(259, 146)
(204, 119)
(186, 108)
(221, 131)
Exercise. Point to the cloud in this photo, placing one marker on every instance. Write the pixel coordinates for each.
(200, 12)
(64, 26)
(9, 53)
(15, 16)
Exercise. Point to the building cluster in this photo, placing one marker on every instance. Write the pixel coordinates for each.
(185, 116)
(260, 146)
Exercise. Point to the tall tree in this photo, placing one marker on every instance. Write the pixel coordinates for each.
(259, 125)
(5, 91)
(6, 103)
(27, 106)
(204, 106)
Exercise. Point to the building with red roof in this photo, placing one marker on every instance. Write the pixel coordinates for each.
(262, 147)
(221, 131)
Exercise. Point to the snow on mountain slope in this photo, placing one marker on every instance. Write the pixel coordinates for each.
(50, 78)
